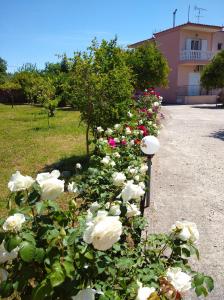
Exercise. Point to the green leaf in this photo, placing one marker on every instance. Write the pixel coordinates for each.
(19, 198)
(27, 251)
(69, 268)
(6, 289)
(42, 291)
(72, 237)
(201, 290)
(198, 280)
(28, 237)
(89, 255)
(33, 197)
(12, 242)
(209, 283)
(57, 275)
(39, 255)
(40, 207)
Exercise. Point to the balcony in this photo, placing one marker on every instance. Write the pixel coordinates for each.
(195, 55)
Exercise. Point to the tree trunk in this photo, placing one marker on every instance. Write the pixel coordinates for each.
(87, 139)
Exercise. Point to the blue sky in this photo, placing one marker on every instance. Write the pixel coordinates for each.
(35, 30)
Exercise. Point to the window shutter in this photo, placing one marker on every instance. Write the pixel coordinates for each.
(188, 44)
(204, 45)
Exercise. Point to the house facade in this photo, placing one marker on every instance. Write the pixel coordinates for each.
(188, 48)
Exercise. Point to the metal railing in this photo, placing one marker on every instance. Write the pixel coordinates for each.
(195, 90)
(196, 55)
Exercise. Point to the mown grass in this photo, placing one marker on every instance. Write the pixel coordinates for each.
(28, 145)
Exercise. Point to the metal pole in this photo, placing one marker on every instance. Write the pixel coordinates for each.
(147, 200)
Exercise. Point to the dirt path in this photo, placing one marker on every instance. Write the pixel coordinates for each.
(188, 182)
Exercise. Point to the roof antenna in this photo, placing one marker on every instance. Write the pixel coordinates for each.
(199, 9)
(174, 17)
(188, 15)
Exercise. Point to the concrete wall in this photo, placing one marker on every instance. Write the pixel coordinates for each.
(183, 74)
(207, 99)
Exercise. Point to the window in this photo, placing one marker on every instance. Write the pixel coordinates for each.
(195, 44)
(199, 68)
(219, 47)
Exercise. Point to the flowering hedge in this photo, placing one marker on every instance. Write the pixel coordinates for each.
(94, 249)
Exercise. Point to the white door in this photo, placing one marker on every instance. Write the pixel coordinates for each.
(194, 84)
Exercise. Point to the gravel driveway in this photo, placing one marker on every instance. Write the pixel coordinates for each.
(188, 182)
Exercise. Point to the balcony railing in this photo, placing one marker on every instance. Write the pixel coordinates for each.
(195, 90)
(196, 55)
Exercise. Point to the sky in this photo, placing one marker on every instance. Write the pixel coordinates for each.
(35, 31)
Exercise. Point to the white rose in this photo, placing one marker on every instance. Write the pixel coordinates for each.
(112, 163)
(117, 126)
(14, 222)
(118, 178)
(18, 182)
(143, 168)
(44, 176)
(144, 292)
(7, 256)
(132, 170)
(186, 231)
(130, 114)
(3, 275)
(156, 104)
(181, 281)
(140, 122)
(117, 155)
(86, 294)
(116, 140)
(109, 131)
(127, 130)
(142, 185)
(51, 188)
(132, 191)
(150, 111)
(137, 178)
(103, 231)
(72, 188)
(160, 98)
(132, 142)
(78, 166)
(136, 132)
(99, 129)
(106, 160)
(115, 210)
(94, 206)
(132, 210)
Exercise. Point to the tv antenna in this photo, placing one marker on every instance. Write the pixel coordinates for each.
(199, 9)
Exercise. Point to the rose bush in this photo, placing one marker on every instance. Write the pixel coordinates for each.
(93, 249)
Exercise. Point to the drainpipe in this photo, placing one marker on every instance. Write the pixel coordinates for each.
(174, 17)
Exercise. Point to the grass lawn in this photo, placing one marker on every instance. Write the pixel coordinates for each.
(27, 145)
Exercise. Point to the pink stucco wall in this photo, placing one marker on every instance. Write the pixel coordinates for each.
(218, 37)
(168, 43)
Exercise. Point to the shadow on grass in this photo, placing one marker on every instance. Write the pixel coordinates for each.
(67, 166)
(211, 106)
(218, 134)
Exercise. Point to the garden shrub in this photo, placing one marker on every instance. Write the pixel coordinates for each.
(94, 249)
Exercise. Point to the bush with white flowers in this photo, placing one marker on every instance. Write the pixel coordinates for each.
(92, 247)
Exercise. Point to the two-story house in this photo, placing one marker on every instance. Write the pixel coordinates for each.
(188, 48)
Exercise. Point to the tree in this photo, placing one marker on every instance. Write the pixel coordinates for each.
(10, 88)
(3, 69)
(149, 66)
(28, 82)
(213, 74)
(101, 85)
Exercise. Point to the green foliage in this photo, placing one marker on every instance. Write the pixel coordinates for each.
(29, 81)
(3, 69)
(100, 81)
(213, 74)
(149, 66)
